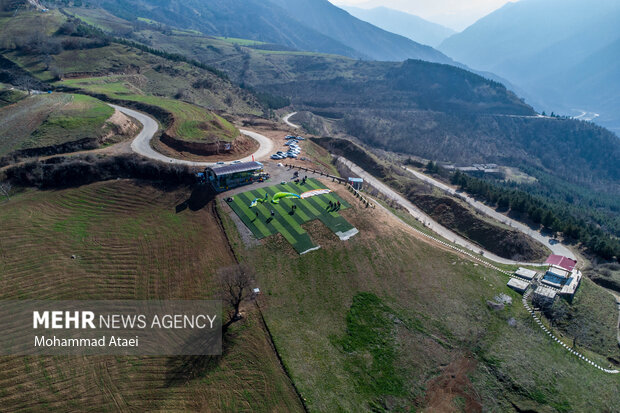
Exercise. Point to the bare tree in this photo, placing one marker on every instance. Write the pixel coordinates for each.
(5, 189)
(236, 282)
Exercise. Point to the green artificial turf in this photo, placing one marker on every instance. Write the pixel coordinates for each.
(285, 223)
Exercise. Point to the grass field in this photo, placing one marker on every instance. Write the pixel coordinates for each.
(191, 122)
(51, 119)
(128, 243)
(285, 223)
(391, 323)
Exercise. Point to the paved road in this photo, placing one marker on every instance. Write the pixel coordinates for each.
(424, 218)
(286, 120)
(556, 247)
(142, 143)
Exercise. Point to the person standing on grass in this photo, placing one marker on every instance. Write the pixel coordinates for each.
(273, 213)
(338, 205)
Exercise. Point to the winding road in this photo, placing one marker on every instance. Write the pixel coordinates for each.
(426, 219)
(555, 247)
(141, 144)
(286, 120)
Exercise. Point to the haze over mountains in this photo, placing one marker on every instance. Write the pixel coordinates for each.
(405, 24)
(308, 25)
(336, 23)
(563, 54)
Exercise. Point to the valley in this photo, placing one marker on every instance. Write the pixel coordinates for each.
(135, 145)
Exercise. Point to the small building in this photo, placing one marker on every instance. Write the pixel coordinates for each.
(224, 177)
(519, 286)
(562, 274)
(356, 182)
(525, 273)
(543, 296)
(561, 261)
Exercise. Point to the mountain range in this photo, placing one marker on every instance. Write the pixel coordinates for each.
(405, 24)
(562, 53)
(305, 25)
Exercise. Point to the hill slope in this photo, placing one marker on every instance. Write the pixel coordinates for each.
(54, 123)
(315, 26)
(563, 53)
(248, 19)
(362, 36)
(405, 24)
(128, 244)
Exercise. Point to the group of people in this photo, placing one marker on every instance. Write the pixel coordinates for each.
(303, 180)
(334, 206)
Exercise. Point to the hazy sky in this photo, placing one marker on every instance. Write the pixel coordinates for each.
(456, 14)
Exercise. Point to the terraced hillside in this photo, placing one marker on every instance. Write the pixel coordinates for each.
(123, 240)
(189, 122)
(60, 48)
(52, 120)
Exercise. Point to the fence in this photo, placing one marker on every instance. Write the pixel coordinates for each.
(338, 179)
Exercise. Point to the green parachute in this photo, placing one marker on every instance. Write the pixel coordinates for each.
(276, 198)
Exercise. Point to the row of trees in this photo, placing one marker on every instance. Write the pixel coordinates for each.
(552, 216)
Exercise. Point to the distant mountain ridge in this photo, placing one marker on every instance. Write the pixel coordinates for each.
(564, 53)
(377, 43)
(306, 25)
(404, 24)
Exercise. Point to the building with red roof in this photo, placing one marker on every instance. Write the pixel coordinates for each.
(561, 261)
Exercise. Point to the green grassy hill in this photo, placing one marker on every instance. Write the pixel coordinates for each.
(85, 61)
(53, 119)
(79, 51)
(386, 322)
(128, 243)
(189, 122)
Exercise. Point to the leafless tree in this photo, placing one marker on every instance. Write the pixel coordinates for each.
(5, 189)
(236, 282)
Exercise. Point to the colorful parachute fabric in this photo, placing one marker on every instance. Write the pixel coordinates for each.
(256, 201)
(276, 198)
(315, 192)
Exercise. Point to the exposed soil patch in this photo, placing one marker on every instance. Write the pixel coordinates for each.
(452, 391)
(242, 147)
(120, 126)
(506, 243)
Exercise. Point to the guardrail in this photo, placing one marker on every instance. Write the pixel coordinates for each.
(338, 179)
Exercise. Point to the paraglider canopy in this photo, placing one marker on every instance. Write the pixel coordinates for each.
(276, 198)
